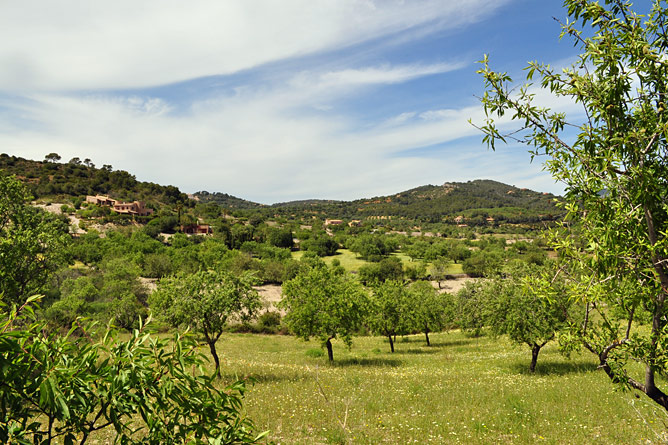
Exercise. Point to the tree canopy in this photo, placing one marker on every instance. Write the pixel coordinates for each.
(323, 304)
(205, 301)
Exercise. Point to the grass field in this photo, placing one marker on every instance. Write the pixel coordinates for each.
(460, 390)
(352, 263)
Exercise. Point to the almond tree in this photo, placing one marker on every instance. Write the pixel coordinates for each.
(323, 304)
(613, 160)
(389, 313)
(205, 301)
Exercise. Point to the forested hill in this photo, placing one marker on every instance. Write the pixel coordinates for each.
(473, 200)
(77, 178)
(227, 201)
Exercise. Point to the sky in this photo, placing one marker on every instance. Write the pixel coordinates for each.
(272, 101)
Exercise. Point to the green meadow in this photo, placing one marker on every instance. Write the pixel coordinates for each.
(351, 262)
(460, 390)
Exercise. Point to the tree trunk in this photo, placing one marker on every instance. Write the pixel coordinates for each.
(426, 334)
(391, 343)
(330, 352)
(535, 349)
(214, 354)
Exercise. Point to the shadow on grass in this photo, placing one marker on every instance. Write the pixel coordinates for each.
(229, 378)
(379, 362)
(425, 350)
(554, 368)
(458, 342)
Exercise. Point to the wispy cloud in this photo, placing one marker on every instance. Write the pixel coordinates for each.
(122, 44)
(384, 75)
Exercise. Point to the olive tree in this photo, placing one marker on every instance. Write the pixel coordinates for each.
(612, 160)
(205, 301)
(323, 304)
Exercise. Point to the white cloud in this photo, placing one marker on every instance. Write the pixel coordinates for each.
(383, 75)
(74, 45)
(257, 146)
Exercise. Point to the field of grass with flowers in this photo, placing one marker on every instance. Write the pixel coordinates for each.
(459, 390)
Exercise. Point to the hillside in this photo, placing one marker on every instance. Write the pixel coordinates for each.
(61, 181)
(474, 201)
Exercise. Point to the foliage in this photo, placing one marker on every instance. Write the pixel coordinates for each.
(427, 309)
(31, 243)
(472, 302)
(67, 388)
(389, 268)
(389, 310)
(205, 301)
(322, 245)
(323, 304)
(614, 170)
(483, 263)
(521, 310)
(372, 247)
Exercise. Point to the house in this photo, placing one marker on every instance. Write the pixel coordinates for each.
(197, 229)
(101, 200)
(333, 222)
(125, 208)
(132, 208)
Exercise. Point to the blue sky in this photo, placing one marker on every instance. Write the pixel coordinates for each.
(271, 101)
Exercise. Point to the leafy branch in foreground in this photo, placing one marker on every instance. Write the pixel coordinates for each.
(145, 389)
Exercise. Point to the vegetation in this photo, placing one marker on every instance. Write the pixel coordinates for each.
(324, 304)
(68, 387)
(616, 239)
(204, 302)
(32, 243)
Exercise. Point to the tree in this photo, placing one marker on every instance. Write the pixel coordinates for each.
(32, 243)
(52, 157)
(440, 269)
(483, 263)
(471, 302)
(323, 304)
(389, 268)
(204, 301)
(516, 308)
(428, 308)
(389, 310)
(614, 171)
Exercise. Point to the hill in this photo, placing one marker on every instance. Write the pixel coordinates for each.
(472, 202)
(75, 179)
